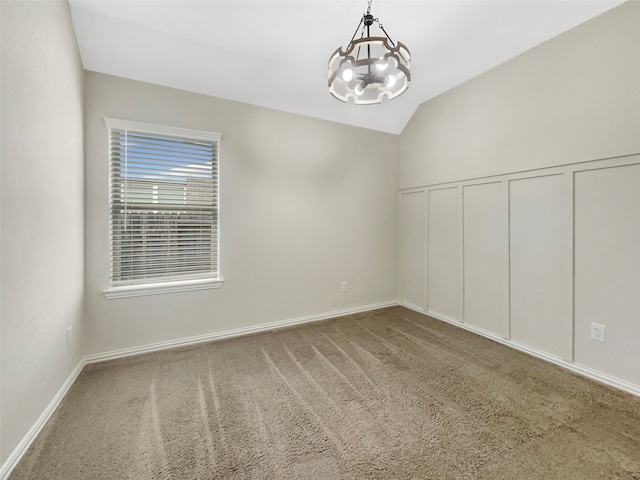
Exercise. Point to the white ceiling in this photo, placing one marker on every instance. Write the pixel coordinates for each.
(274, 53)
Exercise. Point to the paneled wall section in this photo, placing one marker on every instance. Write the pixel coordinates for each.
(538, 263)
(485, 256)
(412, 281)
(607, 269)
(442, 245)
(532, 259)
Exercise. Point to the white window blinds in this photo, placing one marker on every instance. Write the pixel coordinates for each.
(164, 203)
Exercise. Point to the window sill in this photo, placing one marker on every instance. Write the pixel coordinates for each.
(160, 288)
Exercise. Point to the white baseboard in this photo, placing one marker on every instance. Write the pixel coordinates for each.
(154, 347)
(13, 459)
(579, 369)
(16, 455)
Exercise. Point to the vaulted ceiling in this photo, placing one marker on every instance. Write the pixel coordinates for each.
(274, 53)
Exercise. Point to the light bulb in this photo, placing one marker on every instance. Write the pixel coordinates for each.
(391, 81)
(359, 90)
(347, 74)
(381, 65)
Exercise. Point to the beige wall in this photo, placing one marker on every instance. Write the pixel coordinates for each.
(305, 204)
(571, 99)
(533, 170)
(42, 210)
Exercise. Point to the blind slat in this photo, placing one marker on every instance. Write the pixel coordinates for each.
(172, 265)
(166, 253)
(143, 274)
(162, 277)
(133, 267)
(132, 138)
(167, 234)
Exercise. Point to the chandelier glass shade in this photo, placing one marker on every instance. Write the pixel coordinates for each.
(370, 69)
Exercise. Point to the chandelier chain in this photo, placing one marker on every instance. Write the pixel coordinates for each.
(385, 32)
(357, 28)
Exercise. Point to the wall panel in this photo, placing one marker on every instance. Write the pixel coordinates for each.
(537, 265)
(412, 248)
(443, 277)
(485, 251)
(569, 105)
(535, 257)
(607, 269)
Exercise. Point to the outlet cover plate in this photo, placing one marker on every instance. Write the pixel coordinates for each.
(598, 332)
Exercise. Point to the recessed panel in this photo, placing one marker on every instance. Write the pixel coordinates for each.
(412, 247)
(607, 270)
(537, 262)
(485, 250)
(443, 279)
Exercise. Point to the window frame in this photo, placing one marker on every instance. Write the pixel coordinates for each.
(159, 285)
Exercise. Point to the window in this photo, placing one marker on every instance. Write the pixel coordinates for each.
(163, 200)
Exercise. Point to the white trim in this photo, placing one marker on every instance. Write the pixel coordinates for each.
(236, 332)
(13, 459)
(115, 291)
(460, 249)
(480, 331)
(161, 129)
(579, 369)
(7, 467)
(448, 319)
(568, 268)
(411, 306)
(425, 251)
(506, 261)
(164, 287)
(583, 165)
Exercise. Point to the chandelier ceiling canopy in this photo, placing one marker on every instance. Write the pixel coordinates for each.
(371, 69)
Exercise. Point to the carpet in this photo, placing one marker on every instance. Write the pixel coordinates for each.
(387, 394)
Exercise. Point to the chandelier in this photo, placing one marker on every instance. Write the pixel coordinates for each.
(371, 69)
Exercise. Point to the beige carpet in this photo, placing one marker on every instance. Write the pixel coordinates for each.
(389, 394)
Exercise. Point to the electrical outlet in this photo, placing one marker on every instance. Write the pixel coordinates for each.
(343, 287)
(69, 335)
(598, 332)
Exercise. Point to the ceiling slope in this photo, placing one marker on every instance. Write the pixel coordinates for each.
(274, 53)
